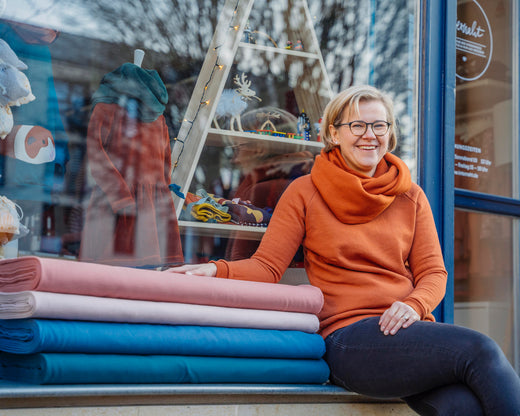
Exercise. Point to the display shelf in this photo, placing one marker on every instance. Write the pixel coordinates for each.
(243, 232)
(282, 51)
(272, 144)
(303, 71)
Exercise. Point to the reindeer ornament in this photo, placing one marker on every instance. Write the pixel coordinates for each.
(233, 102)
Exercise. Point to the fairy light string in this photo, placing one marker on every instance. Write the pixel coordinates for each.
(204, 101)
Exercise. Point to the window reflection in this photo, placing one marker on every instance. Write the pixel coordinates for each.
(89, 149)
(483, 129)
(484, 275)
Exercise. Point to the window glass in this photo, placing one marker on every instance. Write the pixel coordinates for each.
(484, 276)
(483, 129)
(91, 154)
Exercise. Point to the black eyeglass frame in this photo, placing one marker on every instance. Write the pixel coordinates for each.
(388, 124)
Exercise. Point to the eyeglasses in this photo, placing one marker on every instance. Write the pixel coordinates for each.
(359, 127)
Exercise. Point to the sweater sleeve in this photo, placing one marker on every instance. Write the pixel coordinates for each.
(426, 262)
(278, 246)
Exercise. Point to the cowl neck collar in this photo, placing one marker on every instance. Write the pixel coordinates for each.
(355, 198)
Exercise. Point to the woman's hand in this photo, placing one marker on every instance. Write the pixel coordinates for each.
(205, 269)
(399, 315)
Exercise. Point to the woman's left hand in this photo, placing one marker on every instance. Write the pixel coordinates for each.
(399, 315)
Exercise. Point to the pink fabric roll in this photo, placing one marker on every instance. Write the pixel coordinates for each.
(64, 276)
(32, 304)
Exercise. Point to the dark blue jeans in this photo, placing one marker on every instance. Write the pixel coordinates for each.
(438, 369)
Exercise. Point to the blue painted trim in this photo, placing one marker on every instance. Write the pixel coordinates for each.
(487, 203)
(437, 127)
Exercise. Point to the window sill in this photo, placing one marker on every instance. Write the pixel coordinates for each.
(16, 395)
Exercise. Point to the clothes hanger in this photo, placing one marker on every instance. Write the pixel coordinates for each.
(138, 57)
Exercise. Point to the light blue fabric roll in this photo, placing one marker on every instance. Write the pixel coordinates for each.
(28, 336)
(62, 368)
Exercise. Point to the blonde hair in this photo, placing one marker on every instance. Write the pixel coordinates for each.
(348, 100)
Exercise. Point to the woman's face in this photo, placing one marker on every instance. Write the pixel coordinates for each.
(362, 152)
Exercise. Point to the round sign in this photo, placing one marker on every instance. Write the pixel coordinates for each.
(474, 43)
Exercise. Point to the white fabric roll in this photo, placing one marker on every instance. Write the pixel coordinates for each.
(35, 304)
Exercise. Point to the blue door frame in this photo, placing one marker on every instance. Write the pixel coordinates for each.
(436, 126)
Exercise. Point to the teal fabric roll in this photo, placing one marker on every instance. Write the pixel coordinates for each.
(62, 368)
(28, 336)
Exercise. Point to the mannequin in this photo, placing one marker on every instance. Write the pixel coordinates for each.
(131, 218)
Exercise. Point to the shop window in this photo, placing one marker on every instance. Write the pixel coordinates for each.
(95, 144)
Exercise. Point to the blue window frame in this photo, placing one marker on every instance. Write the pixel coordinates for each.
(437, 126)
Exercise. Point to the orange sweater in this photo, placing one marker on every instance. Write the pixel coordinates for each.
(367, 241)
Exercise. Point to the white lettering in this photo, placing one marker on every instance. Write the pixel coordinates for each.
(466, 158)
(468, 148)
(474, 31)
(467, 174)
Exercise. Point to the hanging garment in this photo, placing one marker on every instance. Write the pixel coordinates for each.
(131, 218)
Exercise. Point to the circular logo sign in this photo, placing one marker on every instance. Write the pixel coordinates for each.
(474, 41)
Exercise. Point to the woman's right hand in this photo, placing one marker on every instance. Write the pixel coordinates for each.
(204, 269)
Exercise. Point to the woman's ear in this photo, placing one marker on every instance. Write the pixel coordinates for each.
(333, 134)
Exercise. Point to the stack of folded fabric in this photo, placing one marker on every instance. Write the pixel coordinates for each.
(67, 322)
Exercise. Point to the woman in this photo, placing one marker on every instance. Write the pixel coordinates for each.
(371, 246)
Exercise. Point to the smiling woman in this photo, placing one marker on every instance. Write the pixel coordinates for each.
(360, 146)
(379, 293)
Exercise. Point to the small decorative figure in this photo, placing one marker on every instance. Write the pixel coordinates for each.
(233, 102)
(249, 36)
(288, 45)
(268, 122)
(299, 45)
(317, 126)
(304, 126)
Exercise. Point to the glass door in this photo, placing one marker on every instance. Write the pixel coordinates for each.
(486, 171)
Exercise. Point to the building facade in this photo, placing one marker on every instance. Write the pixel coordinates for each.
(198, 138)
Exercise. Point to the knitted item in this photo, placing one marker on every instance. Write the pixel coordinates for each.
(15, 87)
(130, 83)
(202, 207)
(8, 56)
(210, 208)
(244, 213)
(207, 212)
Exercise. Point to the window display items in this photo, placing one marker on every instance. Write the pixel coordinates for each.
(269, 129)
(27, 48)
(6, 121)
(131, 219)
(234, 102)
(31, 144)
(304, 126)
(15, 88)
(10, 226)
